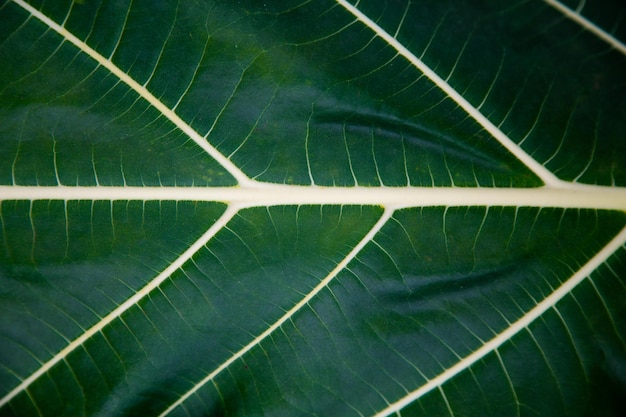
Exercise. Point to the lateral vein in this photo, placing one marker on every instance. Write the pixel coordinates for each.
(141, 91)
(492, 345)
(289, 314)
(546, 176)
(588, 25)
(132, 301)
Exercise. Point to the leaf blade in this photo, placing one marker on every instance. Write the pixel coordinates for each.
(327, 105)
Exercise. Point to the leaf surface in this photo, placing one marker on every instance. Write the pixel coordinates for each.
(312, 208)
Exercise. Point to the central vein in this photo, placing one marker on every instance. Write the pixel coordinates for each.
(259, 194)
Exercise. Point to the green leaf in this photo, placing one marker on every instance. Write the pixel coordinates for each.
(325, 207)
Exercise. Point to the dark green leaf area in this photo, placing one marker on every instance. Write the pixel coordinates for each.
(605, 314)
(460, 276)
(246, 278)
(65, 265)
(552, 86)
(349, 146)
(86, 128)
(571, 362)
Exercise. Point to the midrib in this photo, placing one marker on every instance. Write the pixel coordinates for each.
(261, 194)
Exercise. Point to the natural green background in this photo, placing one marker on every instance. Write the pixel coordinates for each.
(301, 92)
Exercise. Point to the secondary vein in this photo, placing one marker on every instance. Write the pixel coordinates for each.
(542, 172)
(289, 314)
(141, 91)
(492, 345)
(132, 301)
(588, 25)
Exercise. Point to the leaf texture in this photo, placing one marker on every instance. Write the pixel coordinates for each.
(363, 208)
